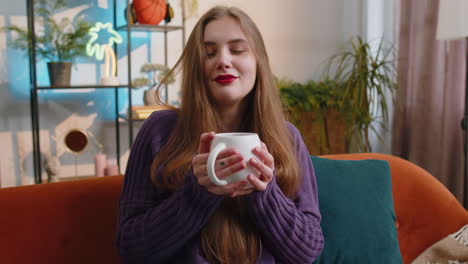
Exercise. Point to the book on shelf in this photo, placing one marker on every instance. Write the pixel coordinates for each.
(144, 111)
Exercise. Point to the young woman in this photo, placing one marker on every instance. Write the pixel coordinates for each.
(170, 212)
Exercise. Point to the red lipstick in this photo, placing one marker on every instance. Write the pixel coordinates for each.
(225, 78)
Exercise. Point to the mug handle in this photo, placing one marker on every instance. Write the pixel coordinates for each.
(211, 164)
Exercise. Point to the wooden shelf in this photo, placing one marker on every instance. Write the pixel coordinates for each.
(84, 86)
(144, 27)
(140, 113)
(125, 117)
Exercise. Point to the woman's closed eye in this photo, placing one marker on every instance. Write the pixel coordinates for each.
(237, 51)
(210, 54)
(238, 48)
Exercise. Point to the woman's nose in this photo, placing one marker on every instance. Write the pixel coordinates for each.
(224, 59)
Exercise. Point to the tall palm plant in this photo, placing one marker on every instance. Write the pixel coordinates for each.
(369, 79)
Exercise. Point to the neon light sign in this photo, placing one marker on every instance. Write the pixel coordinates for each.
(104, 51)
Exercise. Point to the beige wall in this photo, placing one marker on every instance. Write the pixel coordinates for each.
(299, 34)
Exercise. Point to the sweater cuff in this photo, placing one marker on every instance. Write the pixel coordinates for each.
(258, 196)
(200, 191)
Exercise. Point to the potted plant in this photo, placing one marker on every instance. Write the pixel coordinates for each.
(155, 75)
(368, 76)
(314, 108)
(336, 114)
(59, 42)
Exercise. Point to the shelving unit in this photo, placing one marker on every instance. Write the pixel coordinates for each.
(128, 118)
(88, 86)
(129, 28)
(142, 27)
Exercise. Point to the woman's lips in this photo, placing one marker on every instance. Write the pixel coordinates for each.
(225, 78)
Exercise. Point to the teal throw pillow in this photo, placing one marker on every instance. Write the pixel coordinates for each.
(358, 218)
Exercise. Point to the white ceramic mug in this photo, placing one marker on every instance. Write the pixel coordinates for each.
(244, 143)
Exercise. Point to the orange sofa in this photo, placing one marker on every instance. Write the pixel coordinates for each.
(74, 221)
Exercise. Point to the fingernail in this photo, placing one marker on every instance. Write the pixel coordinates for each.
(240, 165)
(254, 160)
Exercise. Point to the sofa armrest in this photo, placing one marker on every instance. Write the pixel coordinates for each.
(63, 222)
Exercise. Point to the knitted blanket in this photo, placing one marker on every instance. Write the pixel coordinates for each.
(453, 249)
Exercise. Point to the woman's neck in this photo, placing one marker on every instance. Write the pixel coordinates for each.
(231, 117)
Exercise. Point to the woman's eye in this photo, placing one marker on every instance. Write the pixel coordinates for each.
(210, 54)
(237, 51)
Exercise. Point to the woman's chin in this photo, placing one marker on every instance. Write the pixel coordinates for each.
(227, 100)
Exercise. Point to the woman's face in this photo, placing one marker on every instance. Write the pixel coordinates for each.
(230, 66)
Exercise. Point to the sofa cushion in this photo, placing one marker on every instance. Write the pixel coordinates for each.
(358, 218)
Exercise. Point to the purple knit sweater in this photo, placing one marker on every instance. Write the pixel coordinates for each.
(161, 226)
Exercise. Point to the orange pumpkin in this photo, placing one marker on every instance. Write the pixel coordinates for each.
(150, 12)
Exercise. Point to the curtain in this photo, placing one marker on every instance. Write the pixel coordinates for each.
(431, 101)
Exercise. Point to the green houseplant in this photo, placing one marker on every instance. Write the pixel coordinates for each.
(348, 103)
(60, 41)
(314, 108)
(368, 75)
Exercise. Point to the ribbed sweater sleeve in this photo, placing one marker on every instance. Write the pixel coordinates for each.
(155, 224)
(290, 229)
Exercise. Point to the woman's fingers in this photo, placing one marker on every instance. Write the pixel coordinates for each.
(227, 171)
(223, 167)
(225, 159)
(199, 159)
(227, 189)
(205, 141)
(232, 189)
(226, 153)
(242, 192)
(265, 165)
(263, 154)
(224, 163)
(257, 183)
(229, 162)
(264, 170)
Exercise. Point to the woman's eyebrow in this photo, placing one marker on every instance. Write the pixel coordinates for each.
(232, 41)
(239, 40)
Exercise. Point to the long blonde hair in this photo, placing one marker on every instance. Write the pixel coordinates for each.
(228, 236)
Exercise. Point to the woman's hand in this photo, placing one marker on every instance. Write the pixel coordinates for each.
(265, 165)
(227, 163)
